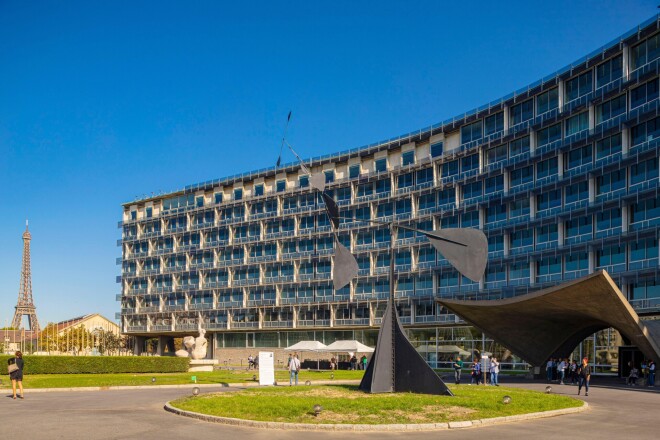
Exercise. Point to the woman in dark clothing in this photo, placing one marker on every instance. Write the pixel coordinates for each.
(17, 376)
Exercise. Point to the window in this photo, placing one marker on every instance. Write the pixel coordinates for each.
(405, 180)
(437, 149)
(150, 212)
(329, 176)
(519, 208)
(519, 146)
(469, 163)
(644, 93)
(495, 213)
(608, 146)
(522, 238)
(450, 168)
(548, 135)
(643, 250)
(610, 182)
(645, 52)
(494, 184)
(611, 256)
(259, 190)
(403, 206)
(578, 86)
(546, 168)
(238, 194)
(611, 109)
(303, 181)
(576, 192)
(577, 123)
(384, 210)
(424, 176)
(645, 210)
(496, 154)
(576, 261)
(645, 289)
(522, 112)
(519, 271)
(548, 200)
(578, 157)
(383, 186)
(427, 201)
(470, 219)
(380, 165)
(608, 219)
(218, 197)
(495, 243)
(579, 226)
(522, 175)
(447, 195)
(609, 71)
(343, 194)
(494, 123)
(280, 185)
(547, 101)
(199, 201)
(646, 131)
(644, 171)
(449, 222)
(472, 190)
(471, 132)
(549, 266)
(133, 215)
(365, 189)
(354, 171)
(547, 234)
(407, 158)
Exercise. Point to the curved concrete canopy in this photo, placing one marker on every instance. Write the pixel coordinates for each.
(553, 321)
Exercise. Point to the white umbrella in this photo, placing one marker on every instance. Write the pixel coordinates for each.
(301, 346)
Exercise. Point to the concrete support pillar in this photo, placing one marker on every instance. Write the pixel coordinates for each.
(459, 194)
(506, 119)
(624, 217)
(507, 181)
(560, 94)
(592, 260)
(532, 272)
(532, 142)
(560, 234)
(138, 347)
(295, 317)
(626, 62)
(625, 141)
(482, 160)
(482, 217)
(592, 117)
(162, 341)
(592, 189)
(560, 165)
(261, 318)
(532, 206)
(507, 244)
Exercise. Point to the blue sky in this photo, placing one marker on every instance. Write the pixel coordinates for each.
(101, 102)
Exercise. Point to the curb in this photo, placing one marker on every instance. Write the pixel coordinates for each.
(375, 428)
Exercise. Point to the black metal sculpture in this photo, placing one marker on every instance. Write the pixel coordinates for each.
(395, 365)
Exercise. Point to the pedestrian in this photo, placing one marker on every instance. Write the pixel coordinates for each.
(15, 366)
(458, 367)
(494, 372)
(288, 361)
(333, 363)
(363, 361)
(250, 362)
(561, 369)
(573, 371)
(632, 377)
(294, 369)
(353, 363)
(651, 373)
(476, 372)
(548, 370)
(584, 375)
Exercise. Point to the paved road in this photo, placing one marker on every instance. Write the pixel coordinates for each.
(138, 414)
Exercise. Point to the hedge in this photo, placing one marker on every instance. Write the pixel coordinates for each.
(99, 364)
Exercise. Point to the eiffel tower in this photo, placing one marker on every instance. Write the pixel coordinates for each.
(25, 306)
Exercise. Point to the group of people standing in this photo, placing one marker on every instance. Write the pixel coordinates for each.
(561, 370)
(476, 373)
(648, 373)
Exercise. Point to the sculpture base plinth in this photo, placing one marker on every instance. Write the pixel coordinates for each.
(202, 364)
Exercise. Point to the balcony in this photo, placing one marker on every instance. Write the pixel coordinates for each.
(174, 308)
(245, 324)
(185, 327)
(149, 309)
(137, 328)
(352, 322)
(278, 324)
(200, 306)
(161, 328)
(215, 325)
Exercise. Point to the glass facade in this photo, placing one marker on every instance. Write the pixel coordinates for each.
(563, 179)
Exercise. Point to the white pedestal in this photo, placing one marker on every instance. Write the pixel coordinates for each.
(202, 364)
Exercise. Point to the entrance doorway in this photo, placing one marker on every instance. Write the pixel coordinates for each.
(628, 356)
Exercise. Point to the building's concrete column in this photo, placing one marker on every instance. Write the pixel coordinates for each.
(532, 206)
(625, 52)
(560, 165)
(459, 194)
(261, 318)
(592, 260)
(592, 189)
(482, 217)
(592, 117)
(295, 317)
(560, 234)
(138, 347)
(560, 94)
(506, 119)
(625, 141)
(482, 160)
(532, 272)
(372, 313)
(162, 341)
(624, 217)
(507, 181)
(532, 142)
(332, 316)
(507, 244)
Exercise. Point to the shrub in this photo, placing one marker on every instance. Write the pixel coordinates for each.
(99, 364)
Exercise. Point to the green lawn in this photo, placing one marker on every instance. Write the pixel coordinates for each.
(216, 377)
(345, 404)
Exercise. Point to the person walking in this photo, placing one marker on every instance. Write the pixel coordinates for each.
(548, 370)
(363, 361)
(458, 367)
(494, 372)
(294, 369)
(651, 373)
(561, 369)
(584, 375)
(15, 366)
(573, 372)
(476, 372)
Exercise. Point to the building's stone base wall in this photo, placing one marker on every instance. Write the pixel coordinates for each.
(234, 356)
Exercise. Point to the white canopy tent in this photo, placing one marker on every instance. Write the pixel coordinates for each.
(314, 346)
(348, 347)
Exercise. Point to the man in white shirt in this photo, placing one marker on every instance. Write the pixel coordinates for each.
(561, 369)
(294, 368)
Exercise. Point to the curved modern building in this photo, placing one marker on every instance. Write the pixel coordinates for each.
(562, 176)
